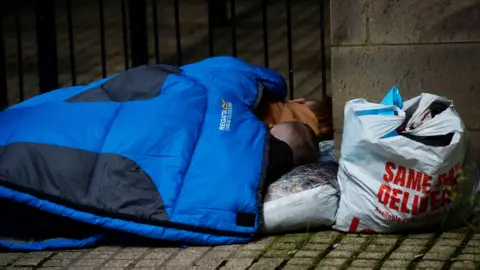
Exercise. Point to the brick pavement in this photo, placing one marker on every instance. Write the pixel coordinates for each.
(322, 250)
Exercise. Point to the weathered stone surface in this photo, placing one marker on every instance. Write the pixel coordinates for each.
(463, 266)
(430, 265)
(396, 263)
(362, 252)
(370, 72)
(348, 22)
(404, 21)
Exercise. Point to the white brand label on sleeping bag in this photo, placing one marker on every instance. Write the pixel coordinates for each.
(226, 115)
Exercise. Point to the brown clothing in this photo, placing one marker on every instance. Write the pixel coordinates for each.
(277, 112)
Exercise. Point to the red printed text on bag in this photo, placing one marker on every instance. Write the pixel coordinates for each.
(413, 192)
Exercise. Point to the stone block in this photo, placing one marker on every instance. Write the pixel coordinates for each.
(307, 254)
(333, 262)
(348, 22)
(463, 266)
(425, 264)
(396, 263)
(364, 263)
(405, 21)
(372, 255)
(445, 70)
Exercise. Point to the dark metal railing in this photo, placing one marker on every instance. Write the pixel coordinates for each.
(134, 36)
(3, 67)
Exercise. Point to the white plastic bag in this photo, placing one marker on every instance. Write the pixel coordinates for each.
(306, 198)
(391, 183)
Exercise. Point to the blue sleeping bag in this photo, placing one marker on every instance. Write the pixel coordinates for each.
(157, 152)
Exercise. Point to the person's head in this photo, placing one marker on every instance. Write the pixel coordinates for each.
(323, 113)
(301, 139)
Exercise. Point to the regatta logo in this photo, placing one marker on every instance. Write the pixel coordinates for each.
(226, 116)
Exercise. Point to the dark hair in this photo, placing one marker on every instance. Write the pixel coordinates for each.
(303, 142)
(323, 112)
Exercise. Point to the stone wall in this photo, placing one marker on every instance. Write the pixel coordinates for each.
(419, 45)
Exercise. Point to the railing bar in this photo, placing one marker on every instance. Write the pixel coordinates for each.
(265, 32)
(102, 38)
(233, 22)
(125, 34)
(137, 10)
(323, 50)
(70, 43)
(3, 68)
(155, 31)
(177, 33)
(18, 29)
(210, 9)
(289, 47)
(46, 45)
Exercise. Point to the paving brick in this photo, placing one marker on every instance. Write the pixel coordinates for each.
(42, 255)
(213, 258)
(301, 261)
(294, 267)
(284, 246)
(315, 247)
(353, 240)
(243, 262)
(426, 264)
(348, 22)
(340, 254)
(384, 241)
(294, 238)
(369, 72)
(451, 235)
(360, 268)
(88, 262)
(117, 263)
(267, 264)
(99, 254)
(248, 254)
(390, 263)
(324, 237)
(279, 254)
(265, 240)
(471, 250)
(410, 248)
(403, 255)
(28, 261)
(449, 242)
(67, 255)
(372, 255)
(333, 262)
(57, 263)
(160, 254)
(394, 268)
(463, 266)
(227, 248)
(421, 236)
(149, 263)
(364, 263)
(379, 248)
(404, 21)
(347, 247)
(307, 254)
(439, 253)
(326, 267)
(473, 244)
